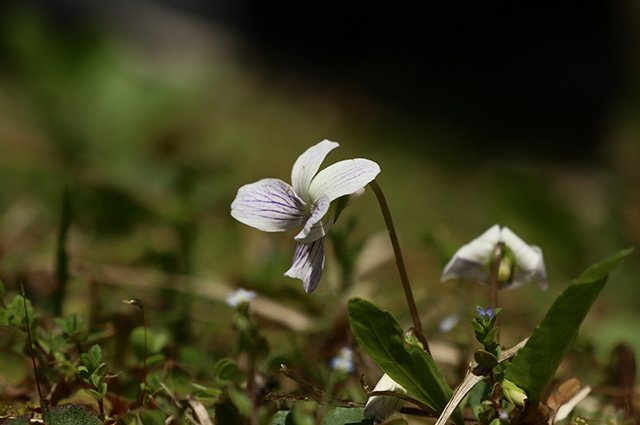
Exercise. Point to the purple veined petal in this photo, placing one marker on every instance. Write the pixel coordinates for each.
(470, 260)
(318, 230)
(269, 205)
(308, 263)
(318, 225)
(307, 165)
(343, 178)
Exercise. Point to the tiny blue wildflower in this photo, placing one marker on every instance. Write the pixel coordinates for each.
(240, 296)
(484, 313)
(448, 323)
(504, 416)
(343, 361)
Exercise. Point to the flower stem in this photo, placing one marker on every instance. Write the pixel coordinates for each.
(493, 281)
(386, 213)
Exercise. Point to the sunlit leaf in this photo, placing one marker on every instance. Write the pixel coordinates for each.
(381, 336)
(536, 363)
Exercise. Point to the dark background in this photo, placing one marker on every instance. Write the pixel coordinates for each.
(525, 79)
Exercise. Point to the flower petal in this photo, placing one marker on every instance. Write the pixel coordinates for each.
(269, 205)
(470, 261)
(537, 275)
(307, 165)
(308, 262)
(529, 260)
(343, 178)
(379, 406)
(318, 225)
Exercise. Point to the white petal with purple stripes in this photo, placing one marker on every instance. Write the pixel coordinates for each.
(312, 229)
(308, 262)
(269, 205)
(343, 178)
(307, 165)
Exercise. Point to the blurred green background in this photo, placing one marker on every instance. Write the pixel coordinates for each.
(152, 114)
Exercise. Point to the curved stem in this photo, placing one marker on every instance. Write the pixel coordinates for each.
(399, 262)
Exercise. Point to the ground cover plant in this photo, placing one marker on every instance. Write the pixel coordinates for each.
(501, 385)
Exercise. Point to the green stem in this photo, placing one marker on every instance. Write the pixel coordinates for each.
(493, 282)
(406, 285)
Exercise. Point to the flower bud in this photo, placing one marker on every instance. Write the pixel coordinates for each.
(513, 393)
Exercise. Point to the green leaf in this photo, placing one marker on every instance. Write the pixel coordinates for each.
(485, 358)
(152, 417)
(282, 417)
(205, 394)
(382, 338)
(73, 327)
(346, 416)
(157, 339)
(490, 336)
(536, 363)
(15, 314)
(224, 371)
(71, 414)
(92, 359)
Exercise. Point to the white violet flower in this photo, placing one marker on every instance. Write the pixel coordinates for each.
(240, 296)
(381, 407)
(271, 205)
(520, 263)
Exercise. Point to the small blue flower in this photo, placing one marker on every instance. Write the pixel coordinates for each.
(240, 296)
(484, 313)
(343, 361)
(448, 323)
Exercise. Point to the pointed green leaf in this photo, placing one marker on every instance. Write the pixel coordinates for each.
(536, 363)
(382, 338)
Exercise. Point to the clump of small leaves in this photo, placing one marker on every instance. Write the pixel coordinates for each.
(93, 371)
